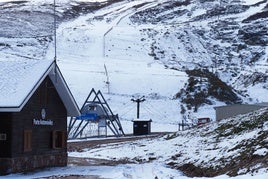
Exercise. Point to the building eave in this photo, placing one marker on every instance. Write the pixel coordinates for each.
(10, 109)
(64, 92)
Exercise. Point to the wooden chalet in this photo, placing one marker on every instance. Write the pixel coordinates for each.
(34, 104)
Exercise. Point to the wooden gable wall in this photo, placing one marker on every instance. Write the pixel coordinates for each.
(45, 97)
(40, 150)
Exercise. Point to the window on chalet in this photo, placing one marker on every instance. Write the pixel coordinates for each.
(3, 136)
(27, 140)
(59, 139)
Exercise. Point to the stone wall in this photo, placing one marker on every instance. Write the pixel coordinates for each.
(29, 163)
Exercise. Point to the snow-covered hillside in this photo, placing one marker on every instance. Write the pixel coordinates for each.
(234, 146)
(151, 48)
(147, 46)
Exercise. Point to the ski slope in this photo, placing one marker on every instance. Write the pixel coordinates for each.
(106, 37)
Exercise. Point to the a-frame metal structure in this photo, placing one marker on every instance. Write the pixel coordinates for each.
(77, 125)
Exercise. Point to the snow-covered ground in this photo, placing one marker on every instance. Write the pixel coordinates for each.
(209, 146)
(126, 171)
(104, 38)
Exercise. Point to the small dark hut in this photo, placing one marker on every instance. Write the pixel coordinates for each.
(33, 122)
(141, 126)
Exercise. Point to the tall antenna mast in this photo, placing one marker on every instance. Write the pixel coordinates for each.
(55, 36)
(55, 42)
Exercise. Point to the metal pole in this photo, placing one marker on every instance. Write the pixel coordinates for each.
(138, 101)
(55, 36)
(138, 109)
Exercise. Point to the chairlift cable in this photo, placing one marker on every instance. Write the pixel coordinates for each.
(123, 106)
(156, 111)
(156, 114)
(127, 111)
(148, 110)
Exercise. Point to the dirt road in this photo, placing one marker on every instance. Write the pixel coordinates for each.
(95, 143)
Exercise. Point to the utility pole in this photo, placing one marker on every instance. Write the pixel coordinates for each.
(107, 79)
(55, 33)
(138, 101)
(55, 40)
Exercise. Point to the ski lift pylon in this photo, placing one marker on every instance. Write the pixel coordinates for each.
(94, 109)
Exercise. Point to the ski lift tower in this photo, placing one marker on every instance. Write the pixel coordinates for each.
(94, 110)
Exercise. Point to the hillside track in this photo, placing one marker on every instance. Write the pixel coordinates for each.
(98, 142)
(80, 146)
(91, 143)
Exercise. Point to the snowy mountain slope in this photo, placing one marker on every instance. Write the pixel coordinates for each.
(234, 146)
(197, 49)
(184, 35)
(147, 46)
(131, 72)
(220, 36)
(179, 35)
